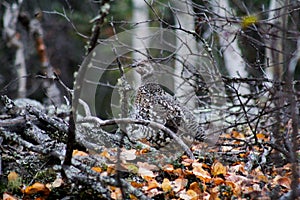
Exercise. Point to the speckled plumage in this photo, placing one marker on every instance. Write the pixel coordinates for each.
(154, 104)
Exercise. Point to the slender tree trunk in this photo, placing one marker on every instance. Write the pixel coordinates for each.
(13, 38)
(232, 54)
(186, 52)
(140, 17)
(274, 52)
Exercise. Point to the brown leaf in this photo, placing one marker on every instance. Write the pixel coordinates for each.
(12, 176)
(199, 172)
(136, 184)
(282, 181)
(116, 193)
(237, 135)
(179, 184)
(111, 169)
(236, 188)
(195, 186)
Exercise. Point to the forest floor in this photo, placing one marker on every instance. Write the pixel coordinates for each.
(32, 144)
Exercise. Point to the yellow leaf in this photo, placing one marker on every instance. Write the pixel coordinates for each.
(105, 154)
(217, 169)
(166, 185)
(131, 167)
(192, 194)
(133, 197)
(249, 20)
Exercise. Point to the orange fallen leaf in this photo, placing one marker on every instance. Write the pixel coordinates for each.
(218, 169)
(218, 181)
(168, 168)
(36, 188)
(152, 184)
(236, 188)
(179, 172)
(97, 169)
(260, 136)
(199, 172)
(214, 192)
(136, 184)
(195, 186)
(205, 166)
(111, 169)
(142, 151)
(105, 154)
(237, 135)
(79, 153)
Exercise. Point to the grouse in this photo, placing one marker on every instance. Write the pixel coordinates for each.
(153, 103)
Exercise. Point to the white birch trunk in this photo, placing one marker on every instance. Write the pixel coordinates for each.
(140, 16)
(274, 55)
(294, 60)
(232, 54)
(10, 18)
(186, 48)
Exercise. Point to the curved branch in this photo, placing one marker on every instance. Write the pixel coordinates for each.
(101, 123)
